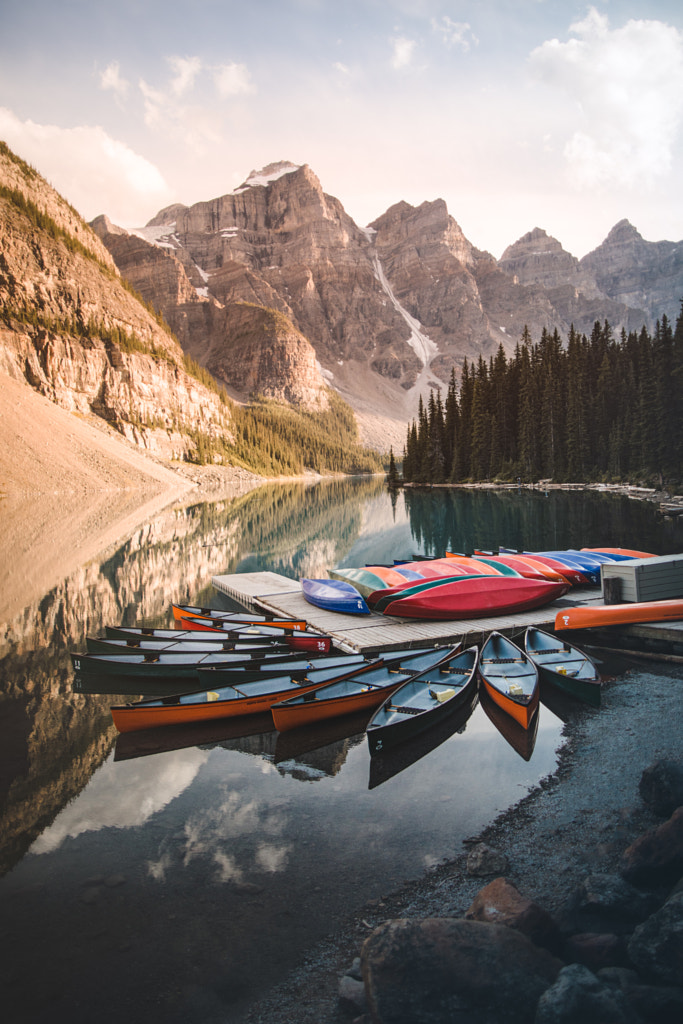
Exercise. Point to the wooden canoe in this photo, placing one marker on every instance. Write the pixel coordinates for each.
(476, 563)
(174, 665)
(303, 640)
(364, 580)
(334, 596)
(563, 665)
(529, 568)
(136, 634)
(386, 764)
(471, 597)
(510, 678)
(247, 648)
(594, 616)
(572, 573)
(381, 599)
(623, 552)
(253, 698)
(424, 701)
(186, 611)
(356, 693)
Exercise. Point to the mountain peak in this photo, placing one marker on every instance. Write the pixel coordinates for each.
(268, 174)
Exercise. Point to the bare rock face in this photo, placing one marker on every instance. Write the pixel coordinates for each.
(648, 275)
(389, 310)
(75, 333)
(538, 260)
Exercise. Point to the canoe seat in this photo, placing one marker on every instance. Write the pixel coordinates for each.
(455, 671)
(441, 696)
(503, 661)
(551, 650)
(151, 657)
(404, 709)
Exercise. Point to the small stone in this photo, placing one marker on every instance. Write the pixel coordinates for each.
(482, 860)
(352, 996)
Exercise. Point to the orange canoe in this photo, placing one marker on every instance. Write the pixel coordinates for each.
(593, 616)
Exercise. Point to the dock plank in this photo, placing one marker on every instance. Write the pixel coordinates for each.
(280, 596)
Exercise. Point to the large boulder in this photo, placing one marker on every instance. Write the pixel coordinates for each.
(577, 995)
(661, 786)
(501, 902)
(657, 856)
(656, 946)
(450, 970)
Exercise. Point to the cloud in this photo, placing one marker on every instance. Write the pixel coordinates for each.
(627, 84)
(402, 52)
(232, 80)
(110, 79)
(186, 70)
(123, 795)
(455, 33)
(93, 171)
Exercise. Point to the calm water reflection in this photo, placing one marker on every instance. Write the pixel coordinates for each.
(174, 878)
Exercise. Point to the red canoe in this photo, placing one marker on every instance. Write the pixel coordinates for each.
(476, 596)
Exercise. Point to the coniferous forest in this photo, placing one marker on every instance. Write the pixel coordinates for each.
(594, 409)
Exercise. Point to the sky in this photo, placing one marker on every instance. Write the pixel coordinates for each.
(517, 113)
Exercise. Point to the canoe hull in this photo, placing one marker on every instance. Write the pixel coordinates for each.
(334, 596)
(564, 666)
(356, 694)
(503, 669)
(185, 611)
(129, 718)
(619, 614)
(415, 707)
(480, 596)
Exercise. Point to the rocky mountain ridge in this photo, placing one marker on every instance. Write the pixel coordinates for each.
(387, 310)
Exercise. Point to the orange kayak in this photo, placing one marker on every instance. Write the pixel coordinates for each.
(592, 616)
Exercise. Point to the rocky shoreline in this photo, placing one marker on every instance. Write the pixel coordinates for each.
(567, 867)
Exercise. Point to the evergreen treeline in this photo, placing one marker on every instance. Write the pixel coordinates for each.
(597, 409)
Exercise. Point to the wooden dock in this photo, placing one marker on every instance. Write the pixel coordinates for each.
(277, 595)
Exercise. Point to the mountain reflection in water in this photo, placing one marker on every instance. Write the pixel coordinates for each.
(174, 877)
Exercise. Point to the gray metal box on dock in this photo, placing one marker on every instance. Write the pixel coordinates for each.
(646, 579)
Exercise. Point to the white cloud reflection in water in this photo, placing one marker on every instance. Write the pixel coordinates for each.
(123, 795)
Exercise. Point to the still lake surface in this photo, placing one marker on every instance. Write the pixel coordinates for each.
(178, 884)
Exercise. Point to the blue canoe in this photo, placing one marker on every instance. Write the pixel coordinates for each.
(334, 596)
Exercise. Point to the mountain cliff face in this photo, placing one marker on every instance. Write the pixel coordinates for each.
(644, 274)
(387, 310)
(71, 329)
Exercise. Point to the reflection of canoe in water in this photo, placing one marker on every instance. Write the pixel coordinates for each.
(385, 765)
(146, 742)
(594, 616)
(424, 701)
(296, 742)
(356, 693)
(563, 665)
(250, 698)
(522, 740)
(510, 678)
(334, 596)
(187, 611)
